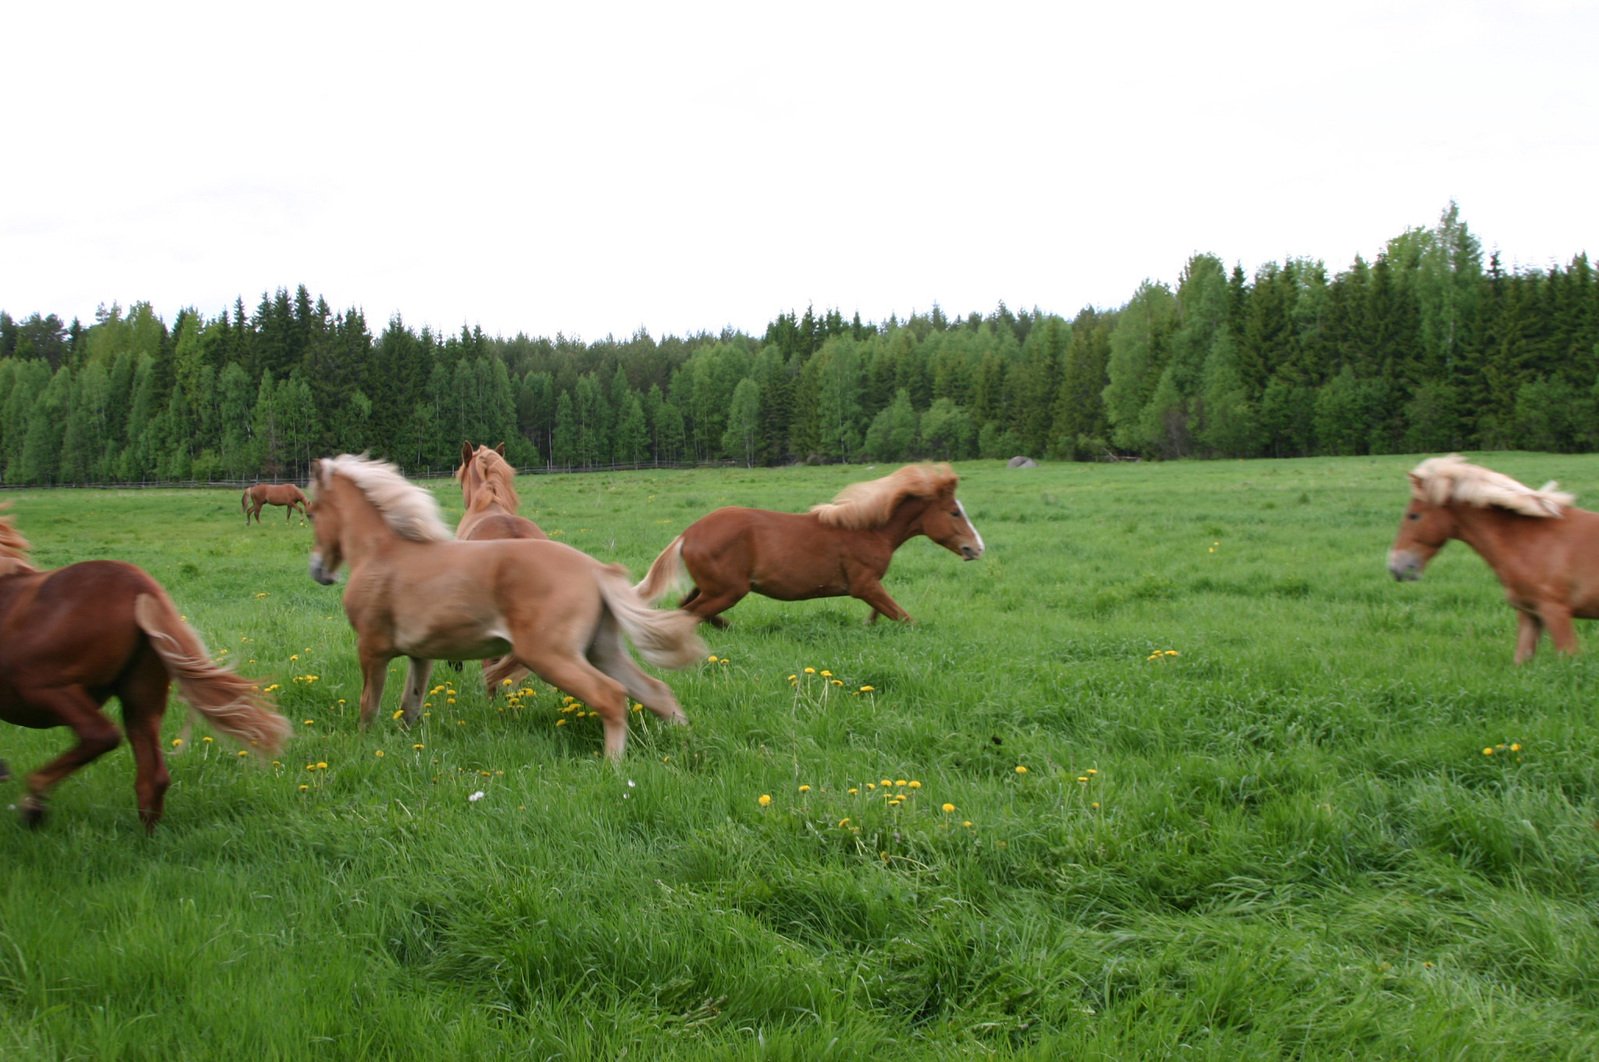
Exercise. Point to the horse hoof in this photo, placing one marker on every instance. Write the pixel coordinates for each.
(31, 811)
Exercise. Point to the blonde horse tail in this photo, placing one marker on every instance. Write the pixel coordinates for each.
(664, 637)
(665, 575)
(230, 703)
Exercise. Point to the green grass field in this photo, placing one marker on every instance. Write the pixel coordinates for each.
(1175, 770)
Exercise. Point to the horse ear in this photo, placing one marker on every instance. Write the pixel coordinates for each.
(500, 449)
(466, 451)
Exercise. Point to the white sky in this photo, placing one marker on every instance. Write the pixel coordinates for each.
(593, 168)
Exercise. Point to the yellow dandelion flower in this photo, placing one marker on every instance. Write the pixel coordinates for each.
(1092, 771)
(243, 752)
(1083, 779)
(868, 689)
(854, 791)
(810, 671)
(886, 782)
(870, 786)
(1095, 805)
(826, 673)
(177, 743)
(294, 656)
(560, 722)
(309, 722)
(397, 713)
(1515, 746)
(913, 784)
(711, 659)
(378, 753)
(793, 678)
(419, 746)
(805, 789)
(764, 800)
(1489, 751)
(967, 823)
(321, 765)
(949, 808)
(304, 788)
(844, 821)
(207, 739)
(1021, 769)
(900, 782)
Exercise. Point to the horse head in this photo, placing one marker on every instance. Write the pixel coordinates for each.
(946, 523)
(326, 524)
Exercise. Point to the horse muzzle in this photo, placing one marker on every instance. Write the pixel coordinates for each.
(320, 573)
(1403, 566)
(971, 553)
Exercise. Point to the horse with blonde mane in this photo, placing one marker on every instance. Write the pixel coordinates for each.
(488, 492)
(842, 547)
(73, 638)
(1544, 550)
(415, 591)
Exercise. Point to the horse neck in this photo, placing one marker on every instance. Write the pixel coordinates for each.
(363, 529)
(905, 521)
(1488, 530)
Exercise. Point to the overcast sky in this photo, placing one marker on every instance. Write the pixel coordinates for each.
(596, 168)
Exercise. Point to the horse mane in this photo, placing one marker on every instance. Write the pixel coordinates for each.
(412, 512)
(14, 549)
(499, 480)
(1440, 480)
(870, 503)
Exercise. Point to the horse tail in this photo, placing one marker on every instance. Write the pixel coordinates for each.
(229, 702)
(665, 575)
(664, 637)
(244, 500)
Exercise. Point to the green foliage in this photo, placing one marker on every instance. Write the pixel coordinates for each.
(1422, 349)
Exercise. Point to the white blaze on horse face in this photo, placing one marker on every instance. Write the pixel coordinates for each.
(975, 533)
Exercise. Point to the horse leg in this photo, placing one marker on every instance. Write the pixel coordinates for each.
(882, 605)
(416, 681)
(575, 675)
(611, 656)
(1529, 628)
(1557, 621)
(374, 673)
(144, 702)
(97, 735)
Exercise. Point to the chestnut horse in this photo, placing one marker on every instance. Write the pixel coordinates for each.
(72, 638)
(284, 494)
(488, 491)
(414, 591)
(1544, 550)
(839, 548)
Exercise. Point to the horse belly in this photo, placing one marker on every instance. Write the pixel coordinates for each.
(451, 634)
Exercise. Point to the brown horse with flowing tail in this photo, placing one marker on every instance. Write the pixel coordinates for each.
(1544, 550)
(839, 548)
(488, 491)
(415, 591)
(285, 494)
(73, 638)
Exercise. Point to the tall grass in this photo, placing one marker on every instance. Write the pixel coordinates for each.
(1216, 787)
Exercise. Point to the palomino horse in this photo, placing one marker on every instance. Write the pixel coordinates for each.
(488, 491)
(1544, 551)
(839, 548)
(284, 494)
(414, 591)
(72, 638)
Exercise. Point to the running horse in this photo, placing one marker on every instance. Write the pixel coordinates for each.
(488, 492)
(72, 638)
(285, 494)
(842, 547)
(1544, 550)
(415, 591)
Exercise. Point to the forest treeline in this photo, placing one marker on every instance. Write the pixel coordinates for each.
(1426, 348)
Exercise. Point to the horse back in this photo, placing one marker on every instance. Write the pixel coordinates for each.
(782, 554)
(71, 625)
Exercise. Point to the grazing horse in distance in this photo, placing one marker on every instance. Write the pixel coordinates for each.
(285, 494)
(843, 547)
(488, 491)
(72, 638)
(1544, 550)
(415, 591)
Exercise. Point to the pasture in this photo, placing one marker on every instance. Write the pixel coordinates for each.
(1174, 769)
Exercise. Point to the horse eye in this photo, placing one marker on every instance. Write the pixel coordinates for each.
(1413, 516)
